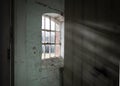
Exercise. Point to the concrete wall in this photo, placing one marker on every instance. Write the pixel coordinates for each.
(92, 49)
(28, 17)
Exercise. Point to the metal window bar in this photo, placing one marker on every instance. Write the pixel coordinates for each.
(50, 39)
(55, 39)
(51, 43)
(50, 30)
(44, 38)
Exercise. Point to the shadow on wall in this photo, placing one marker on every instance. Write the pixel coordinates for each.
(96, 49)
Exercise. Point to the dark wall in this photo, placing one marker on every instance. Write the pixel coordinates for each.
(4, 42)
(92, 49)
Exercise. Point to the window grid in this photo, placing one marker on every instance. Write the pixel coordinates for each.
(46, 42)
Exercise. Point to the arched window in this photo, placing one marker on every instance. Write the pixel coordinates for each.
(52, 32)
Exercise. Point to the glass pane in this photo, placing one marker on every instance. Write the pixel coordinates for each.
(43, 36)
(52, 37)
(47, 23)
(49, 49)
(43, 51)
(52, 50)
(42, 22)
(57, 50)
(47, 37)
(57, 37)
(52, 25)
(47, 55)
(57, 27)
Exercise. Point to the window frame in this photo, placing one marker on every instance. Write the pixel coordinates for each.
(50, 43)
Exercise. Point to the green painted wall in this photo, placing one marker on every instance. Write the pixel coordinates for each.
(28, 42)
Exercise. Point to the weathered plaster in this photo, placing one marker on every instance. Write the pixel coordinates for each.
(28, 16)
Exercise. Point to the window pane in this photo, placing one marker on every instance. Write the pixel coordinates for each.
(52, 25)
(42, 22)
(57, 37)
(47, 23)
(52, 37)
(57, 50)
(52, 50)
(43, 51)
(57, 27)
(47, 55)
(47, 37)
(47, 49)
(43, 36)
